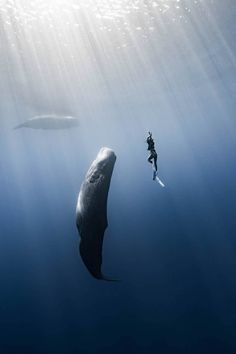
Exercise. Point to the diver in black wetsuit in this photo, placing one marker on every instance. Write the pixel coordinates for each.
(152, 158)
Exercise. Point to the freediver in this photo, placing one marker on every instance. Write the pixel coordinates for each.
(152, 158)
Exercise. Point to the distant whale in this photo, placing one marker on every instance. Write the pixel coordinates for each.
(91, 210)
(50, 122)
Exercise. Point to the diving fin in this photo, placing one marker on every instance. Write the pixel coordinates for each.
(156, 178)
(159, 181)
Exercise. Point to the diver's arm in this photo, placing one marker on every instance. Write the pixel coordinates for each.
(149, 138)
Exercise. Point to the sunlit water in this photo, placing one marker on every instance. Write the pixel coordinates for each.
(123, 68)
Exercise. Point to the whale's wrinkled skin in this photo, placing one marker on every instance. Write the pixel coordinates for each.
(91, 211)
(50, 122)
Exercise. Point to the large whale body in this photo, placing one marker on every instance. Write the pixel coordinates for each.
(91, 210)
(50, 122)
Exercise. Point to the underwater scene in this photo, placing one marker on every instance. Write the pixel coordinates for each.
(118, 176)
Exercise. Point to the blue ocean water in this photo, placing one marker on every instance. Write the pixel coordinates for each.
(170, 69)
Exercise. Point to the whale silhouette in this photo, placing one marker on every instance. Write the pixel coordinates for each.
(49, 122)
(91, 211)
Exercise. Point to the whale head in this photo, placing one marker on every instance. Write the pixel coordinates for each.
(102, 166)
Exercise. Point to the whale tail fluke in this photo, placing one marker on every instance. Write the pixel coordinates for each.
(101, 276)
(19, 126)
(109, 279)
(93, 264)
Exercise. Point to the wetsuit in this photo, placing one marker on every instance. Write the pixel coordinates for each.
(152, 158)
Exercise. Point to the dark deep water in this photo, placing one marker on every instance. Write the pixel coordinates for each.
(174, 249)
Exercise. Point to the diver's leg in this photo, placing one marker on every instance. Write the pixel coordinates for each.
(155, 160)
(155, 167)
(155, 163)
(150, 158)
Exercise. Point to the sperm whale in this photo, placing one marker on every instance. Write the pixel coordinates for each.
(91, 210)
(49, 122)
